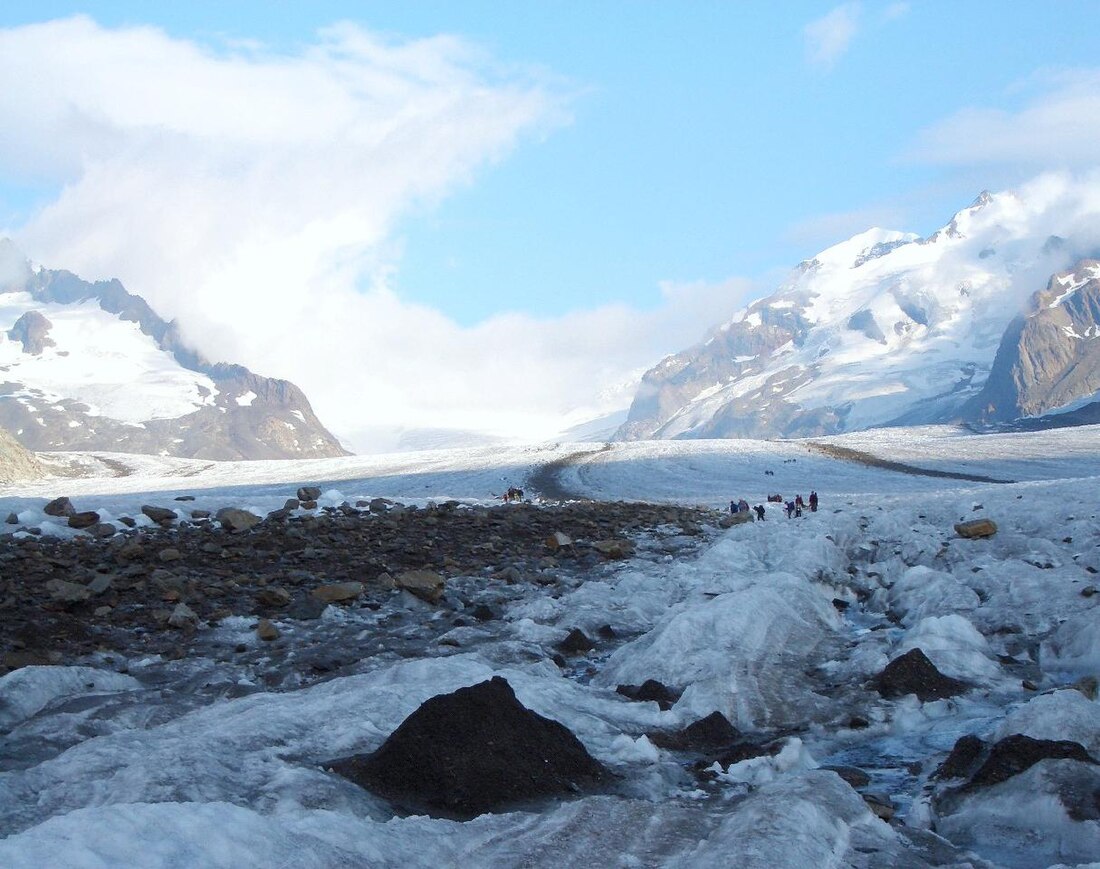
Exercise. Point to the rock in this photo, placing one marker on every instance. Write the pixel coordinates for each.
(913, 673)
(650, 690)
(100, 584)
(266, 631)
(1087, 685)
(233, 519)
(380, 505)
(183, 617)
(614, 549)
(709, 734)
(184, 498)
(483, 613)
(308, 505)
(59, 507)
(273, 596)
(337, 592)
(86, 519)
(963, 759)
(68, 592)
(128, 521)
(882, 806)
(558, 540)
(425, 584)
(200, 514)
(1087, 591)
(1017, 753)
(12, 519)
(158, 514)
(385, 581)
(306, 608)
(855, 777)
(102, 529)
(576, 643)
(976, 528)
(606, 632)
(731, 519)
(473, 751)
(169, 554)
(309, 493)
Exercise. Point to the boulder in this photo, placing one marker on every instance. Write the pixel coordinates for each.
(67, 592)
(651, 690)
(614, 549)
(266, 631)
(576, 643)
(102, 529)
(59, 507)
(309, 493)
(731, 519)
(425, 584)
(558, 540)
(183, 617)
(473, 751)
(963, 759)
(13, 519)
(976, 528)
(272, 596)
(169, 553)
(1018, 753)
(86, 519)
(233, 519)
(380, 505)
(337, 592)
(158, 514)
(709, 734)
(913, 673)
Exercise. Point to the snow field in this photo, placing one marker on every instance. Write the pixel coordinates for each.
(746, 625)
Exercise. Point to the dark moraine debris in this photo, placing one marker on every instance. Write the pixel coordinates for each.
(577, 643)
(709, 734)
(653, 690)
(1017, 753)
(963, 759)
(474, 751)
(913, 673)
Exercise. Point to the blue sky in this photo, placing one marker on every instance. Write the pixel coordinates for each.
(651, 144)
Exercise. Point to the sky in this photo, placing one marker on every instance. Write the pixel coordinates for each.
(494, 216)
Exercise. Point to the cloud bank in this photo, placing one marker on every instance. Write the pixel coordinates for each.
(253, 196)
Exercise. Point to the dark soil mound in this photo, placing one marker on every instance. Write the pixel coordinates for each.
(473, 751)
(913, 673)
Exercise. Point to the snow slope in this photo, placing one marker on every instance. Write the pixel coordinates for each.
(881, 328)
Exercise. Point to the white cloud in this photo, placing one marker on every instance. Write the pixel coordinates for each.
(1058, 127)
(253, 195)
(828, 37)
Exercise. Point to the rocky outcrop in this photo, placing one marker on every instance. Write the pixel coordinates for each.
(1049, 356)
(16, 462)
(473, 751)
(32, 330)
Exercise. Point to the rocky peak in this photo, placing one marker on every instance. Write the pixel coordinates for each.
(32, 329)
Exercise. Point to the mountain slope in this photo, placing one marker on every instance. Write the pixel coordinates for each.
(1049, 357)
(91, 366)
(885, 328)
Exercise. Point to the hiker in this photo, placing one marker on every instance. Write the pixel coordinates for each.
(733, 506)
(742, 506)
(790, 509)
(760, 512)
(813, 502)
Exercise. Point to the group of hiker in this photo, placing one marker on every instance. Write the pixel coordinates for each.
(794, 508)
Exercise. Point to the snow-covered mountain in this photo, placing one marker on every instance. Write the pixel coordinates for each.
(90, 366)
(884, 328)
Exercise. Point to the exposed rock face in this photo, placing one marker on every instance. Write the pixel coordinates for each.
(1049, 356)
(473, 751)
(16, 462)
(213, 410)
(33, 331)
